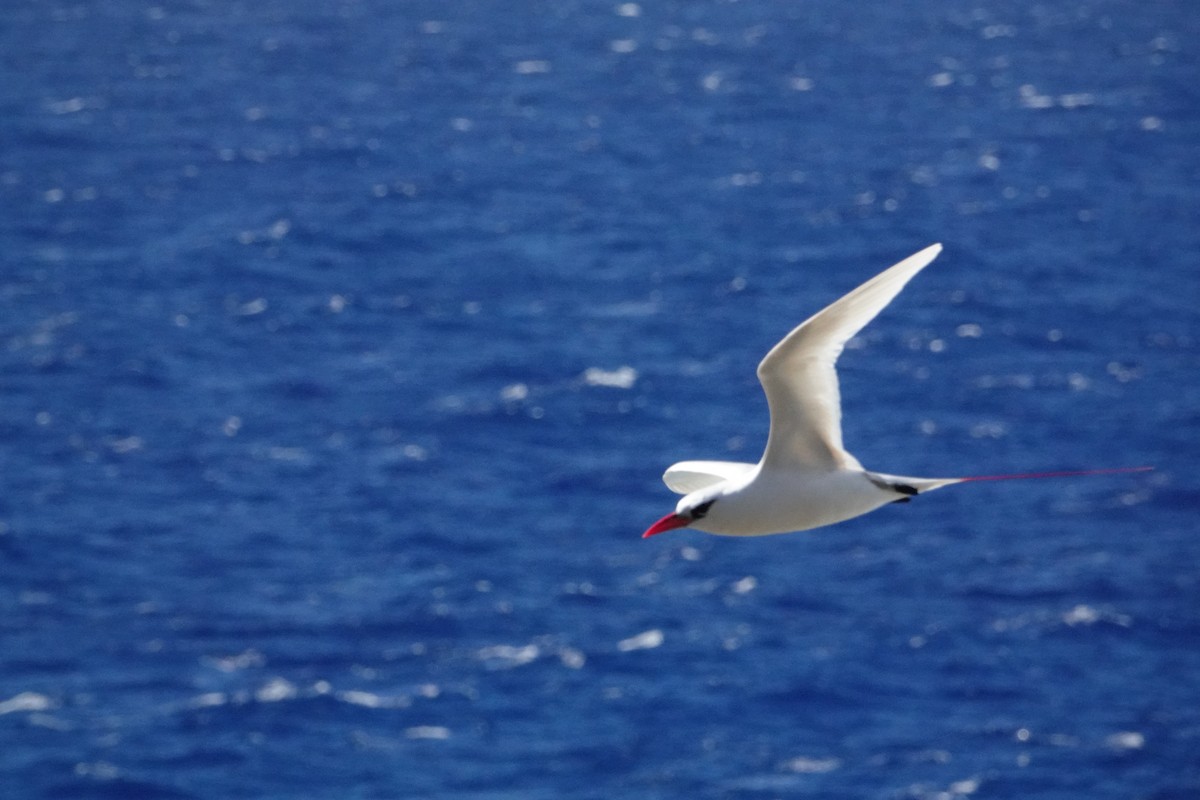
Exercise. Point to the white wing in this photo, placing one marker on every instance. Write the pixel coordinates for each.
(801, 383)
(689, 476)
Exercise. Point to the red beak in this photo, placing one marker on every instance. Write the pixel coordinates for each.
(667, 523)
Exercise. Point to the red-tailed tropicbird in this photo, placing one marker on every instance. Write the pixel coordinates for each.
(805, 478)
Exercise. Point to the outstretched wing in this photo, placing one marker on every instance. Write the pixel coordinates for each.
(801, 382)
(689, 476)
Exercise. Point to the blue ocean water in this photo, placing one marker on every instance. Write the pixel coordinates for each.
(342, 346)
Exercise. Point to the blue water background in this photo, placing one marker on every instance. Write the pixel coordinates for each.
(343, 344)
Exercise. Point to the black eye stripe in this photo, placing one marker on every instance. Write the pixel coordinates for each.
(699, 511)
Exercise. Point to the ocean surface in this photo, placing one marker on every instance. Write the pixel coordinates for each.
(343, 345)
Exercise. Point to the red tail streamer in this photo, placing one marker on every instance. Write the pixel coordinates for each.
(1066, 474)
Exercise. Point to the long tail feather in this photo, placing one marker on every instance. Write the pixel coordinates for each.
(1062, 474)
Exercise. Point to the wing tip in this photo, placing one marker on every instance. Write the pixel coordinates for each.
(926, 255)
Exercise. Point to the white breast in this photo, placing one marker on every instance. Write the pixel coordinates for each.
(784, 501)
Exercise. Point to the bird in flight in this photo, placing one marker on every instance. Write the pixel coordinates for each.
(806, 478)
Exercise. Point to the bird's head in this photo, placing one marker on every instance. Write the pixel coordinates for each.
(691, 508)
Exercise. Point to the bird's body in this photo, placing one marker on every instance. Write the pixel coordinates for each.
(774, 501)
(805, 478)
